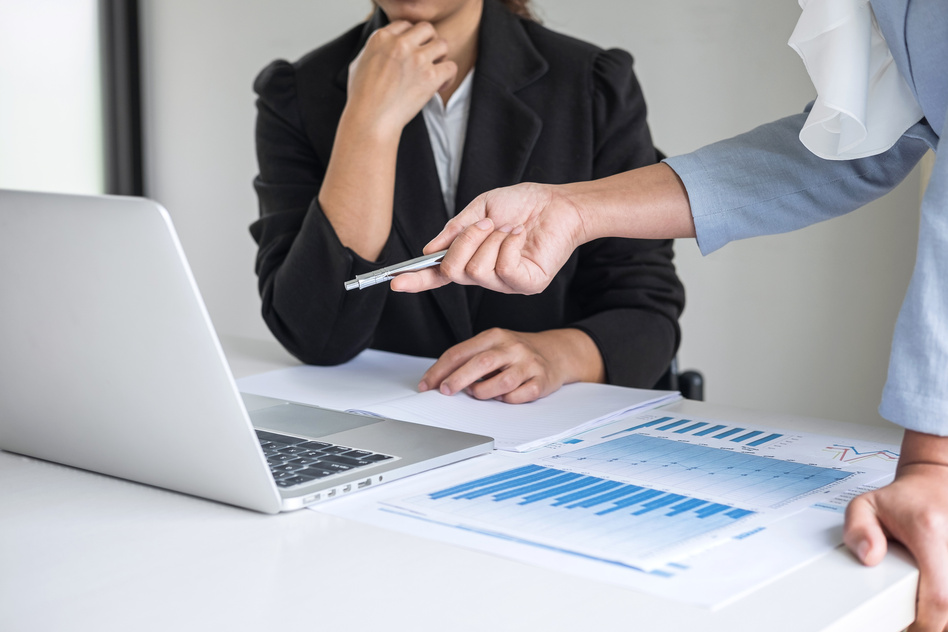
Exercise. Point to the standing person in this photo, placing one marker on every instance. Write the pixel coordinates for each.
(368, 144)
(780, 177)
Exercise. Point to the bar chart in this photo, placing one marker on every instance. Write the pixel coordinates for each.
(581, 513)
(707, 430)
(728, 476)
(636, 499)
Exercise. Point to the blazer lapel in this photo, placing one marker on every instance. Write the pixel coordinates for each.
(420, 215)
(501, 130)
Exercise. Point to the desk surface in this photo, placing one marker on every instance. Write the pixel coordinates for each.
(81, 551)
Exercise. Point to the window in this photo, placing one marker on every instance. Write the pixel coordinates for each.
(70, 117)
(51, 124)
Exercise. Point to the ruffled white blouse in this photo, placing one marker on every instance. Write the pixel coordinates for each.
(863, 103)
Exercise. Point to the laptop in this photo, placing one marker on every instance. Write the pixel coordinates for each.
(109, 362)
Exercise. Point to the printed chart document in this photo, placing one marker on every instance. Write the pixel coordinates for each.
(698, 510)
(385, 384)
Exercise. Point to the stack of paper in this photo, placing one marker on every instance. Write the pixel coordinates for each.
(383, 384)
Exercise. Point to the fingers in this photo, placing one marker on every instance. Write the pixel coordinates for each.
(914, 510)
(531, 390)
(412, 282)
(462, 365)
(395, 28)
(475, 211)
(401, 66)
(495, 364)
(422, 40)
(932, 558)
(481, 269)
(463, 248)
(863, 534)
(454, 266)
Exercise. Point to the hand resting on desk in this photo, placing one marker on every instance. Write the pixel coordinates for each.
(914, 511)
(515, 367)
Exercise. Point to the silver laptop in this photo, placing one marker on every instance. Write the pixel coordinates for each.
(109, 362)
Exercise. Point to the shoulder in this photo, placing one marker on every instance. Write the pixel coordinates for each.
(566, 54)
(321, 66)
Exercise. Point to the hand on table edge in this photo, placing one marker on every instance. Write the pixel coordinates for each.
(913, 509)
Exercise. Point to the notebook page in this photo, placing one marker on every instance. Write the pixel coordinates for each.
(369, 378)
(572, 409)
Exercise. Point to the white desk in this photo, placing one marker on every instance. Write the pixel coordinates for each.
(80, 551)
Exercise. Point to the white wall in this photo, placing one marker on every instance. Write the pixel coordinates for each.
(795, 323)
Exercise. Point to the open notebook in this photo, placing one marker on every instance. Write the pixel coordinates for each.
(384, 384)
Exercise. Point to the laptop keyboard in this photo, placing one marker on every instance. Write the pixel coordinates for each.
(294, 461)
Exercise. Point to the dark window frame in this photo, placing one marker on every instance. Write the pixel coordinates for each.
(121, 97)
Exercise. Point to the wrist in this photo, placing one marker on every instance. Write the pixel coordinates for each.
(586, 220)
(355, 124)
(577, 355)
(923, 449)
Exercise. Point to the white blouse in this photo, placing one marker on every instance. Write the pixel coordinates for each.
(447, 127)
(863, 103)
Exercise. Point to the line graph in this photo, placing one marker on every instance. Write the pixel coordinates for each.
(849, 454)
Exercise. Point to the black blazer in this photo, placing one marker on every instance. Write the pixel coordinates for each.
(545, 108)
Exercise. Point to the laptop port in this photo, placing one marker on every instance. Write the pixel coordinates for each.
(346, 489)
(365, 483)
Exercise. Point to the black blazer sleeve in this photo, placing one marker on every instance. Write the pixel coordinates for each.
(301, 264)
(626, 290)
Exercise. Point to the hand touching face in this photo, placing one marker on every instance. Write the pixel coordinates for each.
(401, 67)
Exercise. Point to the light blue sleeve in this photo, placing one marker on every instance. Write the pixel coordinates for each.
(916, 392)
(766, 182)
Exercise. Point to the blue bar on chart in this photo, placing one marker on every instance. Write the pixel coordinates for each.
(579, 511)
(736, 477)
(766, 439)
(703, 429)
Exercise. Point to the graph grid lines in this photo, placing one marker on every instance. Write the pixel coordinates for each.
(734, 477)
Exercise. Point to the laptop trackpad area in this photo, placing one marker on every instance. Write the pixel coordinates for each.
(307, 420)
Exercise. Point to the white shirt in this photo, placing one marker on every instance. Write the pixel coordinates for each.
(447, 127)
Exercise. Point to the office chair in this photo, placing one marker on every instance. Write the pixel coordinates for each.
(690, 382)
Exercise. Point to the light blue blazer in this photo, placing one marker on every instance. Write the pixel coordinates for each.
(765, 182)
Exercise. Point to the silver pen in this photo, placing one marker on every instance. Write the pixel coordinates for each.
(387, 274)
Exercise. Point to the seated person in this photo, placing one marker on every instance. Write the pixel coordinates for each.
(367, 145)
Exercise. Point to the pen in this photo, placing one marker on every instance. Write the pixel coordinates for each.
(387, 274)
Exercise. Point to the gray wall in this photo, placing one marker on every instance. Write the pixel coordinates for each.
(797, 323)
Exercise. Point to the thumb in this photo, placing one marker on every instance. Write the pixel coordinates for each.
(472, 213)
(863, 533)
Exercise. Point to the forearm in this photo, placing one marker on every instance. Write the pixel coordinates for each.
(646, 203)
(357, 192)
